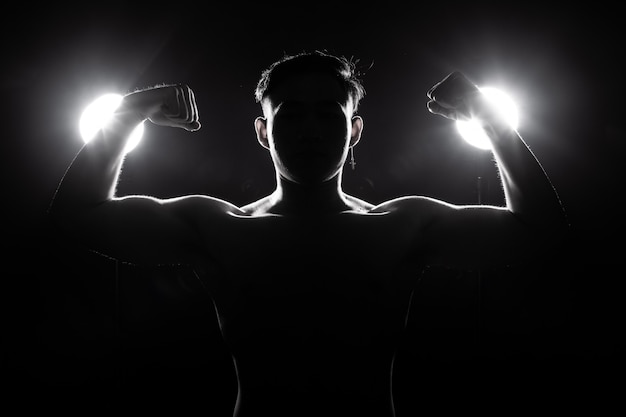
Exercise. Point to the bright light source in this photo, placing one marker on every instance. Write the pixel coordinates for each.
(471, 130)
(97, 114)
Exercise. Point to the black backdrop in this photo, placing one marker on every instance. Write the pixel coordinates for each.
(82, 332)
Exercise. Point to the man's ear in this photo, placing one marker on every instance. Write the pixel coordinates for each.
(260, 126)
(357, 129)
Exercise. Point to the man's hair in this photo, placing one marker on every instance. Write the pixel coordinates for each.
(344, 69)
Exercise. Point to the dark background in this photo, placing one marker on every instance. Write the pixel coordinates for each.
(84, 333)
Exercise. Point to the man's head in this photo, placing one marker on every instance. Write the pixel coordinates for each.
(309, 102)
(343, 69)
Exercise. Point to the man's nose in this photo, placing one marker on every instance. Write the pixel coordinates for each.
(310, 129)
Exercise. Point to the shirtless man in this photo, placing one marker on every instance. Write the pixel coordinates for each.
(311, 285)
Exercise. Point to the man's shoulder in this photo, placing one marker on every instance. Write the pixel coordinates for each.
(203, 205)
(411, 203)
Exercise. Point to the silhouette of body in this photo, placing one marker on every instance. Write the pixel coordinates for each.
(312, 286)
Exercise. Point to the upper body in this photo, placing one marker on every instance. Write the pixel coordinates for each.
(312, 286)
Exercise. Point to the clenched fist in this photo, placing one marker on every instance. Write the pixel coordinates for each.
(450, 97)
(457, 98)
(167, 105)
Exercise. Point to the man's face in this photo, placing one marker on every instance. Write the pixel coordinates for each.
(309, 126)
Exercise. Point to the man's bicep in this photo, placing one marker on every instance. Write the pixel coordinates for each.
(475, 236)
(138, 229)
(460, 236)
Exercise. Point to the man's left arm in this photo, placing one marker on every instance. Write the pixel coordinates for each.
(531, 201)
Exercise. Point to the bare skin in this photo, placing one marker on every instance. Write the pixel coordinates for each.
(312, 286)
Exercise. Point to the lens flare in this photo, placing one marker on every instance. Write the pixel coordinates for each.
(471, 130)
(98, 113)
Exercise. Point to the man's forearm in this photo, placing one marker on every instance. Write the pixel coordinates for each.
(527, 189)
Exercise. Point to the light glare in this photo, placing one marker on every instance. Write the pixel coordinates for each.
(471, 130)
(97, 114)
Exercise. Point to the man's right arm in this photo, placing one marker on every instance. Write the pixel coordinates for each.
(137, 228)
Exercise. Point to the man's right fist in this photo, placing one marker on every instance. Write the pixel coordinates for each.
(166, 105)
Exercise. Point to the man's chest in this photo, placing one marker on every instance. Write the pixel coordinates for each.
(367, 259)
(265, 244)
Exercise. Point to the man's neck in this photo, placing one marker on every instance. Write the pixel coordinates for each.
(291, 198)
